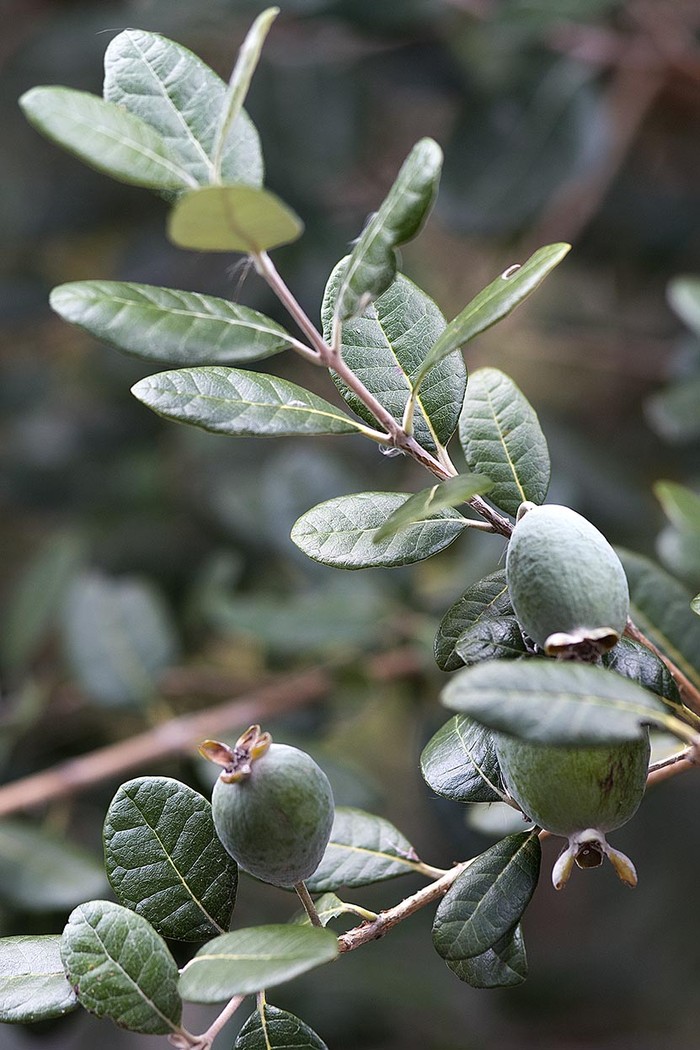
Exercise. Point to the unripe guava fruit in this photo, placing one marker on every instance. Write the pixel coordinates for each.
(580, 793)
(566, 583)
(272, 807)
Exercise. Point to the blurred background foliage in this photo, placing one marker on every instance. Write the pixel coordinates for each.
(147, 570)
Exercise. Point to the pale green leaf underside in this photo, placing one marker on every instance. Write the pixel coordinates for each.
(385, 345)
(248, 960)
(241, 403)
(33, 984)
(164, 324)
(121, 968)
(459, 762)
(371, 266)
(554, 703)
(443, 494)
(362, 849)
(165, 861)
(232, 219)
(487, 900)
(502, 966)
(106, 137)
(342, 532)
(501, 437)
(495, 302)
(273, 1029)
(170, 88)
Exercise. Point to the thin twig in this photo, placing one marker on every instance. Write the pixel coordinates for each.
(309, 906)
(225, 1015)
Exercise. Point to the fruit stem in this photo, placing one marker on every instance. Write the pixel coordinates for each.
(309, 906)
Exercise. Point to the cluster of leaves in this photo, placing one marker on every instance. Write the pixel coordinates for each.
(167, 123)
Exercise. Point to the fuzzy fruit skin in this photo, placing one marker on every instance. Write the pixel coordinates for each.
(276, 823)
(568, 789)
(563, 576)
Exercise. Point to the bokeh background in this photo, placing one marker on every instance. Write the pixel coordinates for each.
(146, 567)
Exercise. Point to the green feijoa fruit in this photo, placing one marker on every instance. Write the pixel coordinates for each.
(580, 793)
(272, 807)
(566, 583)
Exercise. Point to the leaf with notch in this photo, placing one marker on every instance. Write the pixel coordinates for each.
(502, 966)
(500, 435)
(362, 849)
(547, 702)
(494, 303)
(164, 324)
(170, 88)
(106, 137)
(120, 968)
(273, 1029)
(443, 494)
(165, 861)
(485, 601)
(384, 347)
(33, 985)
(488, 899)
(232, 219)
(459, 762)
(241, 403)
(342, 532)
(371, 266)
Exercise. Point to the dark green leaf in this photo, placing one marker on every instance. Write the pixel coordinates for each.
(33, 985)
(495, 302)
(684, 297)
(487, 900)
(550, 702)
(171, 89)
(460, 762)
(502, 438)
(120, 968)
(384, 347)
(635, 661)
(449, 493)
(165, 860)
(342, 532)
(502, 966)
(232, 219)
(491, 638)
(241, 403)
(106, 137)
(41, 871)
(119, 638)
(371, 266)
(273, 1029)
(163, 324)
(474, 616)
(246, 961)
(660, 607)
(362, 849)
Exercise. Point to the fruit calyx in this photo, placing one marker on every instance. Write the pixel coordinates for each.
(238, 760)
(587, 848)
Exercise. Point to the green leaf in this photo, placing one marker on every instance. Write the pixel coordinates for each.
(487, 900)
(120, 968)
(680, 505)
(232, 219)
(684, 297)
(371, 266)
(443, 494)
(119, 638)
(362, 849)
(171, 89)
(660, 607)
(492, 638)
(482, 605)
(635, 661)
(246, 961)
(328, 906)
(241, 403)
(675, 411)
(384, 347)
(33, 985)
(460, 762)
(548, 702)
(494, 303)
(501, 437)
(106, 137)
(248, 58)
(163, 324)
(273, 1029)
(501, 966)
(342, 532)
(41, 871)
(165, 861)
